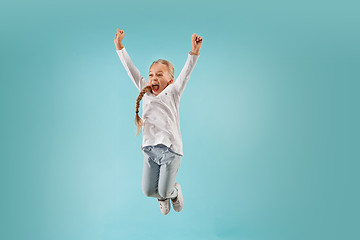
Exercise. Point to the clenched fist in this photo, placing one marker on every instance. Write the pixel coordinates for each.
(196, 42)
(119, 36)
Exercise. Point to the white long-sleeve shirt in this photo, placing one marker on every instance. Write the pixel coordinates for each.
(161, 121)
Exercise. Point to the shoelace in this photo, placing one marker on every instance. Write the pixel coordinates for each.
(162, 204)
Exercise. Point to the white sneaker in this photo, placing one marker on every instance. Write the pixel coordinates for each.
(179, 203)
(164, 206)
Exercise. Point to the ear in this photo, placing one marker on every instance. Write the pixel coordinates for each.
(171, 81)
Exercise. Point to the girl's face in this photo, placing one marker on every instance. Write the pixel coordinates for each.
(159, 78)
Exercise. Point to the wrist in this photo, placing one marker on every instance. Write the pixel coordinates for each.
(193, 52)
(119, 46)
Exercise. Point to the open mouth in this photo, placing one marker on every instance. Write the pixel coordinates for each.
(155, 87)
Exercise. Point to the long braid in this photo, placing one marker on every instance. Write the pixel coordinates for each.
(138, 120)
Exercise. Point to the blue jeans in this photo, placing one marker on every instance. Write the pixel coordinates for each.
(159, 172)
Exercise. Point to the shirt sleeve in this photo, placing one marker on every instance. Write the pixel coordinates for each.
(132, 71)
(185, 73)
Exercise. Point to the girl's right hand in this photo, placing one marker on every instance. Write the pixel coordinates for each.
(119, 36)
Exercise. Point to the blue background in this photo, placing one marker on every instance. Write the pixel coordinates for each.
(269, 119)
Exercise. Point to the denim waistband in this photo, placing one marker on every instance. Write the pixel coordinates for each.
(160, 153)
(159, 146)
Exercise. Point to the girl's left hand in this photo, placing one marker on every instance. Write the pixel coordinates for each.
(196, 42)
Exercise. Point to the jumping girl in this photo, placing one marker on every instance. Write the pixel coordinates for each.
(162, 143)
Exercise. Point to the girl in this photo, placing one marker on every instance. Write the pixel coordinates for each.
(162, 143)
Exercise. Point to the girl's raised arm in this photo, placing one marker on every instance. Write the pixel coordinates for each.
(193, 55)
(125, 59)
(185, 73)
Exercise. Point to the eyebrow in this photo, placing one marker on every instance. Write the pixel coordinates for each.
(158, 71)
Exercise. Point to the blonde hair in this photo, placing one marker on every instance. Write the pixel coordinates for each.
(138, 120)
